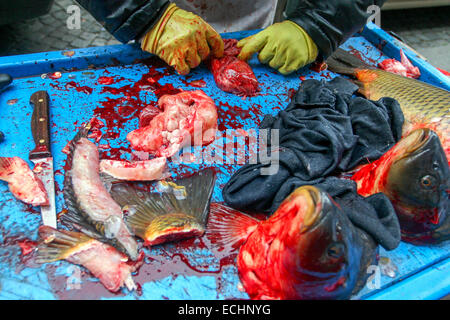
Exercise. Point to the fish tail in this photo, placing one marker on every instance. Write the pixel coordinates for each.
(179, 211)
(57, 244)
(229, 227)
(345, 63)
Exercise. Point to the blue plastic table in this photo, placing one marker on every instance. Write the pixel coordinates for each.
(186, 270)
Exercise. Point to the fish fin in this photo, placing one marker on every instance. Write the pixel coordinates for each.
(229, 227)
(6, 167)
(345, 63)
(75, 221)
(108, 180)
(362, 88)
(180, 211)
(68, 193)
(57, 244)
(129, 283)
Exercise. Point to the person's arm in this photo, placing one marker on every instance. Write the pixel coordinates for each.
(126, 20)
(330, 23)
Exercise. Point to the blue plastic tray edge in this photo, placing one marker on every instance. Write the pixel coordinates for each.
(33, 64)
(44, 62)
(427, 284)
(391, 47)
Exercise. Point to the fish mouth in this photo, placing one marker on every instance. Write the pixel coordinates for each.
(314, 209)
(414, 142)
(435, 228)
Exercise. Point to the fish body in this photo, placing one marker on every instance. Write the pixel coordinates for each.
(87, 198)
(179, 211)
(110, 266)
(146, 170)
(308, 249)
(423, 105)
(189, 117)
(414, 174)
(232, 74)
(22, 181)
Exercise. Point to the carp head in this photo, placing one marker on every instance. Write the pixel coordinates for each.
(327, 254)
(417, 184)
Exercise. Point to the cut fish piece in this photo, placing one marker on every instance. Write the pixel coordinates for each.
(404, 68)
(178, 212)
(110, 266)
(189, 117)
(86, 196)
(147, 170)
(22, 182)
(231, 74)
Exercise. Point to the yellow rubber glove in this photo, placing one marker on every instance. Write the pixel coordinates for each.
(182, 39)
(284, 46)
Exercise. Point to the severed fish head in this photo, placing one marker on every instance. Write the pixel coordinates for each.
(327, 259)
(305, 250)
(417, 184)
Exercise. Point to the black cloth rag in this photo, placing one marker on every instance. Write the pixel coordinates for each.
(323, 132)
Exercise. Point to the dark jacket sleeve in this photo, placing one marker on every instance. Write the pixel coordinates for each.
(126, 19)
(330, 23)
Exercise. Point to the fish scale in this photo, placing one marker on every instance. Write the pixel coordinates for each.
(422, 104)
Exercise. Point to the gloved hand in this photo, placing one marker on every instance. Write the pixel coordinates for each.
(284, 46)
(182, 39)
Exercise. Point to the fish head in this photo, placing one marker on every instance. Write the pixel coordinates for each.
(327, 259)
(417, 185)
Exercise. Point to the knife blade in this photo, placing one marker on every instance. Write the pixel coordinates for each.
(41, 155)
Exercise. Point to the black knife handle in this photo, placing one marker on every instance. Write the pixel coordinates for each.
(5, 80)
(40, 127)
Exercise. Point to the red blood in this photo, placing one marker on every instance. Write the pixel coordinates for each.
(318, 66)
(84, 89)
(231, 117)
(54, 75)
(291, 93)
(105, 80)
(96, 123)
(117, 111)
(27, 246)
(126, 111)
(358, 54)
(231, 74)
(195, 83)
(95, 134)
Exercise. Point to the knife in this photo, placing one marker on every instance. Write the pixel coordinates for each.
(5, 80)
(41, 155)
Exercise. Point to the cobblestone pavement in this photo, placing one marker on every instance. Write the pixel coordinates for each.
(50, 33)
(426, 30)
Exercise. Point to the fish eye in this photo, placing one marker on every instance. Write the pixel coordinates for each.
(335, 250)
(428, 182)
